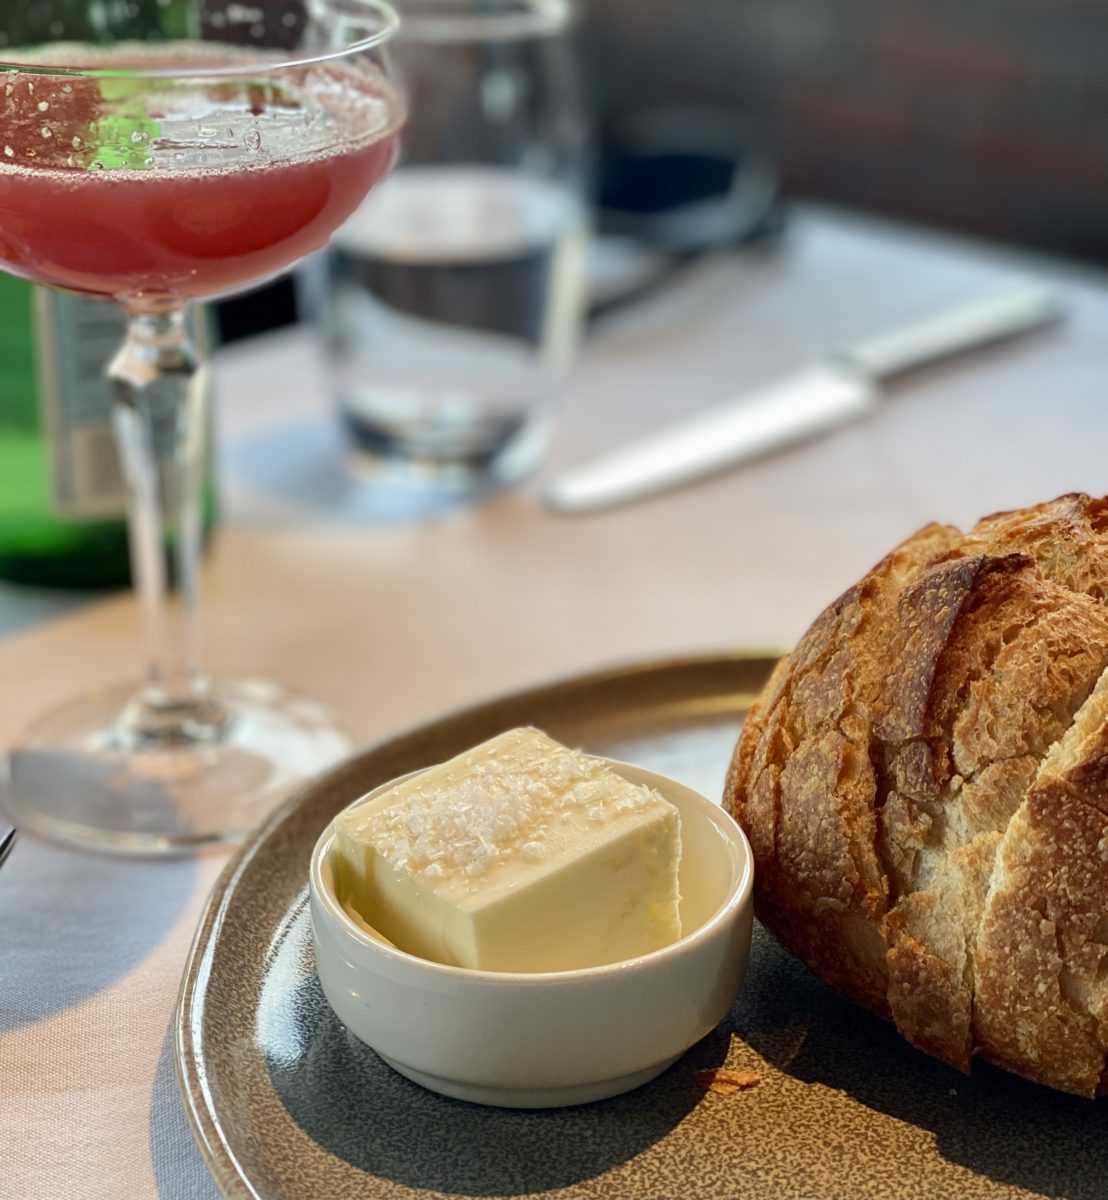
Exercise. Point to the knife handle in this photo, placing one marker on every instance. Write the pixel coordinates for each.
(1016, 310)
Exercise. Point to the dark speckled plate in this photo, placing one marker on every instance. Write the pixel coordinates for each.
(287, 1106)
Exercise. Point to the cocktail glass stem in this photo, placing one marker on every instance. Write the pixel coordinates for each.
(162, 425)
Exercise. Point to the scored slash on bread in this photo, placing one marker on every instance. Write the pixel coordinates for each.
(924, 783)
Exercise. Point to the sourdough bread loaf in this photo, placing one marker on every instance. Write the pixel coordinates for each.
(924, 783)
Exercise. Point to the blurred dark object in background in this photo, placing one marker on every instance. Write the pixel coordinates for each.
(686, 178)
(988, 116)
(266, 307)
(681, 181)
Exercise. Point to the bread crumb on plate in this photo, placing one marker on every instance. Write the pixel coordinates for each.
(726, 1080)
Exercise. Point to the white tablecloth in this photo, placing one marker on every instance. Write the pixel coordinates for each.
(396, 618)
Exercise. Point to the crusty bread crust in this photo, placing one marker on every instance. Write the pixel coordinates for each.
(924, 782)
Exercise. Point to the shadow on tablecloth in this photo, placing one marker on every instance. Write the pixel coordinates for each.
(74, 923)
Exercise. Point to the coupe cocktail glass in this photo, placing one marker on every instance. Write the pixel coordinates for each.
(152, 174)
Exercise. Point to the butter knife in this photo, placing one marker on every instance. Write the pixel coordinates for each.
(844, 388)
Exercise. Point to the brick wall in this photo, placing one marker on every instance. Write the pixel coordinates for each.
(989, 116)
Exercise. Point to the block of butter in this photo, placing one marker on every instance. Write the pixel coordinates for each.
(518, 855)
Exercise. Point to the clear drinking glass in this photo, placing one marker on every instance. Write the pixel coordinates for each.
(153, 173)
(451, 302)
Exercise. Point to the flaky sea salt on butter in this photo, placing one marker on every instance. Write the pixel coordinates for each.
(518, 855)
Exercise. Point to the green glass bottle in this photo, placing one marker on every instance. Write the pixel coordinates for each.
(62, 498)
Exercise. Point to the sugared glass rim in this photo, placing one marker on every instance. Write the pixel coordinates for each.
(389, 24)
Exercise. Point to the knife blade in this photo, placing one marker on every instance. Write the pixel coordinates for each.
(806, 404)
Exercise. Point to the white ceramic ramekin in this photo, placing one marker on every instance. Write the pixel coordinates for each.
(565, 1037)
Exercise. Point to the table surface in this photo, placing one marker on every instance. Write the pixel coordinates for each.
(397, 613)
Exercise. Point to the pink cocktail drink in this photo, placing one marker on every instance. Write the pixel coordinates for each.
(102, 193)
(128, 236)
